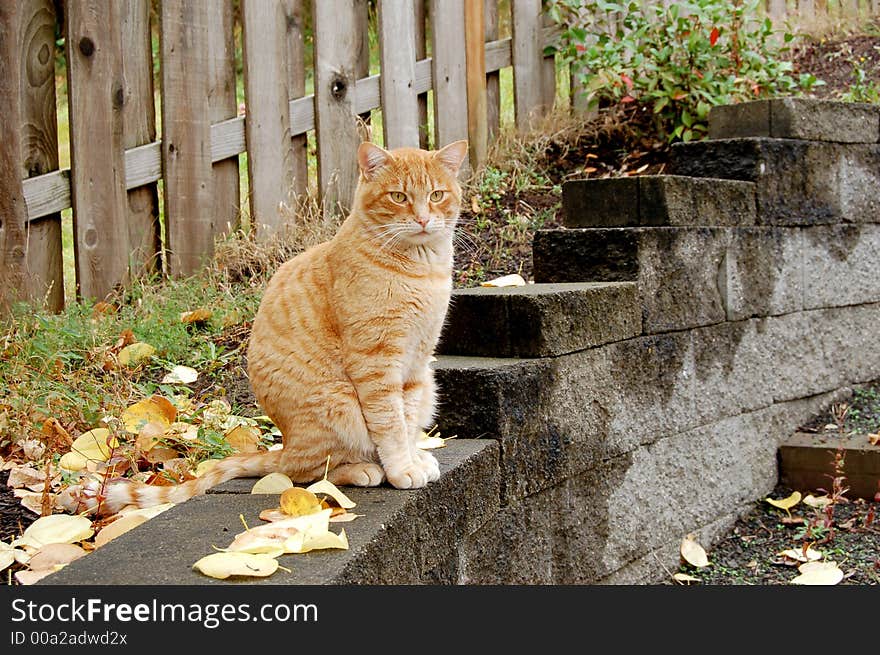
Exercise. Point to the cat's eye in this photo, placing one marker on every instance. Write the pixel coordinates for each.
(437, 196)
(398, 196)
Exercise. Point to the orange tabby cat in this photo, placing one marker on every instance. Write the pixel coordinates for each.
(340, 349)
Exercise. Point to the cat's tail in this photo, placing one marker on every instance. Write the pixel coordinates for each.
(118, 494)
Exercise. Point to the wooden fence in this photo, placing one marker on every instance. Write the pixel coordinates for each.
(117, 161)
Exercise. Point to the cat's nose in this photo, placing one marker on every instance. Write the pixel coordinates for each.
(422, 220)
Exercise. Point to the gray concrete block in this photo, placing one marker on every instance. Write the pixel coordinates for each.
(658, 200)
(797, 182)
(515, 546)
(539, 320)
(576, 256)
(841, 265)
(797, 118)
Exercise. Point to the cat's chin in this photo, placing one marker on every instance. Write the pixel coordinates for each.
(424, 238)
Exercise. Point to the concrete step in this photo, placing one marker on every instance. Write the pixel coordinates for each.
(797, 182)
(687, 277)
(539, 320)
(658, 200)
(797, 118)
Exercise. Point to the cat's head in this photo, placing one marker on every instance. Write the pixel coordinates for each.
(409, 196)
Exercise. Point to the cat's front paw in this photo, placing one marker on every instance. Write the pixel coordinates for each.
(429, 464)
(418, 473)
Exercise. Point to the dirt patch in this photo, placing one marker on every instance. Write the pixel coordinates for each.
(836, 62)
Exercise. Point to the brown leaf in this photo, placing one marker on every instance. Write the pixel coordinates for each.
(52, 555)
(55, 434)
(103, 308)
(874, 439)
(196, 316)
(244, 439)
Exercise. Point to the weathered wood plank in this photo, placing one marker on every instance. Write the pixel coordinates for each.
(498, 55)
(296, 87)
(267, 128)
(548, 70)
(362, 17)
(96, 91)
(475, 53)
(400, 108)
(806, 9)
(450, 81)
(139, 128)
(338, 42)
(13, 211)
(222, 105)
(527, 62)
(44, 278)
(421, 53)
(186, 142)
(493, 80)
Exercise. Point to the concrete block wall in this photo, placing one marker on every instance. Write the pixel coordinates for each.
(680, 327)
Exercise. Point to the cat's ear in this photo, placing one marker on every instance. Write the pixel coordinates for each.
(371, 158)
(452, 156)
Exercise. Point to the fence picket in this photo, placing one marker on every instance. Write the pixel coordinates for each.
(296, 88)
(337, 48)
(421, 53)
(493, 80)
(39, 148)
(400, 107)
(96, 91)
(139, 128)
(475, 51)
(186, 138)
(222, 104)
(267, 127)
(528, 62)
(449, 64)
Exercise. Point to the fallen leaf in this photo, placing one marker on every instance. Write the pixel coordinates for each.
(136, 353)
(345, 517)
(829, 427)
(227, 564)
(31, 577)
(31, 500)
(103, 308)
(817, 502)
(181, 375)
(155, 409)
(475, 205)
(874, 439)
(274, 483)
(52, 429)
(51, 555)
(306, 541)
(297, 501)
(196, 316)
(330, 489)
(429, 443)
(684, 578)
(273, 514)
(514, 280)
(95, 445)
(118, 527)
(801, 555)
(786, 503)
(148, 512)
(72, 462)
(256, 544)
(818, 573)
(244, 439)
(26, 476)
(693, 553)
(792, 520)
(9, 555)
(55, 529)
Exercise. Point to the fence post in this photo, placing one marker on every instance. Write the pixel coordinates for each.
(296, 88)
(528, 62)
(44, 275)
(493, 88)
(450, 82)
(267, 126)
(421, 53)
(400, 107)
(139, 127)
(222, 105)
(96, 96)
(475, 50)
(338, 43)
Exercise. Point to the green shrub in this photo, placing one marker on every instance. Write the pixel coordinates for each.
(677, 61)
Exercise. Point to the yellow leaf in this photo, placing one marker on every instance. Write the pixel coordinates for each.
(94, 445)
(181, 375)
(8, 555)
(818, 573)
(72, 462)
(429, 443)
(786, 503)
(799, 555)
(196, 316)
(874, 439)
(327, 487)
(305, 542)
(154, 409)
(297, 501)
(684, 578)
(136, 353)
(148, 512)
(51, 555)
(514, 280)
(693, 553)
(274, 483)
(817, 502)
(227, 564)
(31, 577)
(256, 544)
(56, 529)
(344, 517)
(244, 439)
(118, 527)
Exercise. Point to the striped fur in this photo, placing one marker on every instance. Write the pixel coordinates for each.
(340, 349)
